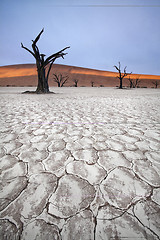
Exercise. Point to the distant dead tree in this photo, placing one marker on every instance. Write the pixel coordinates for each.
(60, 79)
(134, 82)
(75, 82)
(130, 82)
(156, 83)
(42, 63)
(92, 83)
(121, 75)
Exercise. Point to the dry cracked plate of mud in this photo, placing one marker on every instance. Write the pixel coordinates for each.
(80, 164)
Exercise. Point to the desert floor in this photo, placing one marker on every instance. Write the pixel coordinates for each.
(80, 164)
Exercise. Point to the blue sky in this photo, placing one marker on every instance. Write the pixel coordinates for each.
(100, 32)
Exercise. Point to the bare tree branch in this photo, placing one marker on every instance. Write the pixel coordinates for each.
(55, 55)
(38, 37)
(117, 68)
(28, 50)
(137, 81)
(131, 82)
(125, 73)
(64, 81)
(50, 68)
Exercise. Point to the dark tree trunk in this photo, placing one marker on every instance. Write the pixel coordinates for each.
(120, 84)
(41, 64)
(41, 81)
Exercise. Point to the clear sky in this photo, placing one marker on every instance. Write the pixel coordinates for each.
(100, 32)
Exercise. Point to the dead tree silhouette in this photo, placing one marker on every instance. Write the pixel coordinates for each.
(75, 82)
(121, 75)
(42, 63)
(134, 82)
(130, 82)
(92, 83)
(156, 83)
(60, 79)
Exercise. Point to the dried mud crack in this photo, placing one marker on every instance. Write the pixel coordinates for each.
(80, 166)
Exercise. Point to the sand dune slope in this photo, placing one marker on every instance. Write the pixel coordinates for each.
(26, 75)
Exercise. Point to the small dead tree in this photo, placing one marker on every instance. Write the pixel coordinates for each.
(42, 64)
(156, 83)
(121, 75)
(92, 84)
(130, 82)
(134, 82)
(75, 82)
(60, 79)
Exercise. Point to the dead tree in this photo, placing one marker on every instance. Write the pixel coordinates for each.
(156, 83)
(130, 82)
(60, 79)
(92, 83)
(75, 82)
(134, 82)
(121, 75)
(42, 63)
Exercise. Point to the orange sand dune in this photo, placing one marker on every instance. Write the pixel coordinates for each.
(17, 71)
(26, 75)
(112, 74)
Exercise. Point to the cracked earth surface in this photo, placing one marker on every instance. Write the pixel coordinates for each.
(82, 164)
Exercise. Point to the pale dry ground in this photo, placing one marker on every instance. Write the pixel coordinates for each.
(80, 164)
